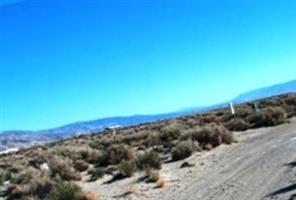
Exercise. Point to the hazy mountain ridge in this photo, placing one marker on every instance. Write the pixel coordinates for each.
(278, 89)
(12, 139)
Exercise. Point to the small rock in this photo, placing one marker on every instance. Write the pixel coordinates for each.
(186, 164)
(44, 167)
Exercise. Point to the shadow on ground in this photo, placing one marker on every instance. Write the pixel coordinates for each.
(283, 190)
(291, 164)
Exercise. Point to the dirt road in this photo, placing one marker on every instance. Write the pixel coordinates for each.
(262, 165)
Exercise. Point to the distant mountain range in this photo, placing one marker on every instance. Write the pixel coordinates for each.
(267, 92)
(16, 139)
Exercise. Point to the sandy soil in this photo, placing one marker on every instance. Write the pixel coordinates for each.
(262, 165)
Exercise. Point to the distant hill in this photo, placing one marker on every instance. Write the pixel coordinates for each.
(267, 92)
(13, 139)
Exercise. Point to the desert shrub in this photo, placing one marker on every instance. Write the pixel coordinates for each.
(95, 144)
(62, 168)
(149, 159)
(135, 136)
(5, 175)
(152, 175)
(111, 169)
(270, 116)
(39, 186)
(96, 173)
(213, 135)
(242, 111)
(276, 114)
(171, 132)
(191, 122)
(209, 118)
(80, 165)
(99, 158)
(127, 168)
(30, 182)
(117, 153)
(226, 117)
(257, 120)
(66, 191)
(186, 135)
(153, 139)
(182, 151)
(24, 176)
(237, 124)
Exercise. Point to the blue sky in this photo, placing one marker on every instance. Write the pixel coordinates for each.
(65, 61)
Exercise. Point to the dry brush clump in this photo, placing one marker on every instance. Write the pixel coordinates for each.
(182, 151)
(127, 168)
(149, 159)
(269, 116)
(213, 135)
(96, 173)
(67, 191)
(237, 124)
(29, 182)
(62, 168)
(80, 165)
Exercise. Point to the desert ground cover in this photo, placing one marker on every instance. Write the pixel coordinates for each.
(89, 166)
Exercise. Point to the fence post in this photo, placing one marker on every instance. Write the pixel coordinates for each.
(231, 108)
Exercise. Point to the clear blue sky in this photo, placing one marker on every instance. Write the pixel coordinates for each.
(65, 61)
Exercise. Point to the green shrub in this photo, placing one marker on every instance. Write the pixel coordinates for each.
(96, 173)
(66, 191)
(97, 157)
(182, 151)
(152, 175)
(127, 168)
(5, 175)
(149, 159)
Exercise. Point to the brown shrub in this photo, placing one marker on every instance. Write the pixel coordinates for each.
(117, 153)
(30, 182)
(277, 115)
(63, 168)
(171, 132)
(80, 165)
(237, 124)
(153, 139)
(209, 118)
(270, 116)
(160, 183)
(212, 134)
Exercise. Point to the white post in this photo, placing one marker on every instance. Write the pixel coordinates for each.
(231, 108)
(257, 109)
